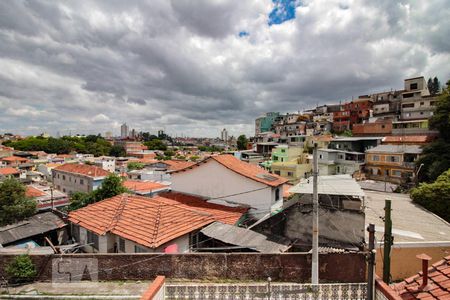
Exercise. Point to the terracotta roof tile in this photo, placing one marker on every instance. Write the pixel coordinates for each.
(33, 192)
(224, 214)
(150, 222)
(9, 171)
(245, 169)
(418, 139)
(438, 283)
(82, 169)
(143, 186)
(175, 165)
(15, 159)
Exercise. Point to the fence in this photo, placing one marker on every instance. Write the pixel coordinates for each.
(354, 291)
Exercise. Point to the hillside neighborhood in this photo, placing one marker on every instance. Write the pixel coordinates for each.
(189, 202)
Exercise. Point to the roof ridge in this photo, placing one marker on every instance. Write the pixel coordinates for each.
(156, 227)
(118, 214)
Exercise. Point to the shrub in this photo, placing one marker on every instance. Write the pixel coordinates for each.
(21, 269)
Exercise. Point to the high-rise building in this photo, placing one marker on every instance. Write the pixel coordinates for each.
(224, 135)
(124, 130)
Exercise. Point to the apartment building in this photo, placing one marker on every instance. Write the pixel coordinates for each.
(393, 163)
(70, 178)
(380, 127)
(335, 162)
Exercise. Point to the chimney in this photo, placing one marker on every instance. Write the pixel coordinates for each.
(425, 258)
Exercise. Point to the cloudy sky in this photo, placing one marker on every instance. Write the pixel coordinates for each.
(194, 67)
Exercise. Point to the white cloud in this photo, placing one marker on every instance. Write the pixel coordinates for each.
(181, 67)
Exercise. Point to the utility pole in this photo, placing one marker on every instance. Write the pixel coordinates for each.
(371, 260)
(315, 225)
(388, 239)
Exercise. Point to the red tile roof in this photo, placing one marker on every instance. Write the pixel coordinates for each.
(33, 192)
(438, 283)
(143, 186)
(87, 170)
(150, 222)
(14, 159)
(242, 168)
(9, 171)
(416, 139)
(224, 214)
(175, 165)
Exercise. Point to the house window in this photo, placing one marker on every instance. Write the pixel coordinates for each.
(408, 105)
(320, 156)
(92, 239)
(290, 174)
(375, 157)
(58, 176)
(413, 86)
(393, 158)
(121, 245)
(396, 173)
(138, 249)
(64, 177)
(338, 169)
(422, 103)
(277, 172)
(81, 181)
(410, 95)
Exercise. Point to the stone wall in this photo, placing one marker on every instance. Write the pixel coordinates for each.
(292, 267)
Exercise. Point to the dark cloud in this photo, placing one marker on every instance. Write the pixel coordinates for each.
(89, 66)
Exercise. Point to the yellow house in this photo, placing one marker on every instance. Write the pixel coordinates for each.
(295, 169)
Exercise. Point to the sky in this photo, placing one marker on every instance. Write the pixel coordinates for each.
(192, 68)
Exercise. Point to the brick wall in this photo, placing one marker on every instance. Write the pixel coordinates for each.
(295, 267)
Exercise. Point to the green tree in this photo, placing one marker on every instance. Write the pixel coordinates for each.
(135, 166)
(21, 269)
(435, 196)
(117, 151)
(242, 142)
(79, 200)
(14, 205)
(156, 144)
(111, 186)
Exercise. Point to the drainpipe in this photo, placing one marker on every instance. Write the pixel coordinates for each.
(425, 258)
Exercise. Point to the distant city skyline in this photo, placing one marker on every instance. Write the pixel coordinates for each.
(195, 69)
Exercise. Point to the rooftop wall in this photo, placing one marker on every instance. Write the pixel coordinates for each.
(291, 267)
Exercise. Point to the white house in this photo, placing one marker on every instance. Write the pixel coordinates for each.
(226, 180)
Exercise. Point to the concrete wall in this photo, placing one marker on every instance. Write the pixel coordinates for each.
(291, 267)
(70, 183)
(337, 228)
(213, 180)
(404, 262)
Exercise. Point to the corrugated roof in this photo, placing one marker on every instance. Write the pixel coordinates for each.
(413, 149)
(82, 169)
(242, 168)
(245, 238)
(150, 222)
(35, 225)
(343, 185)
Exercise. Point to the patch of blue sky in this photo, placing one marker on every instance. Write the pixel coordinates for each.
(243, 34)
(283, 11)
